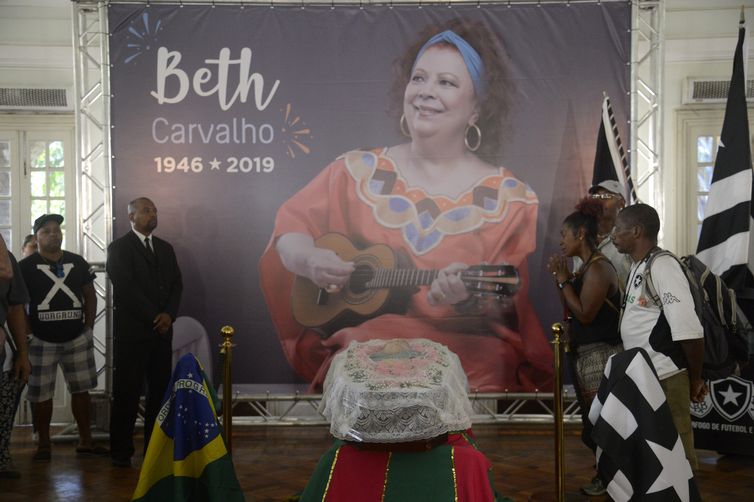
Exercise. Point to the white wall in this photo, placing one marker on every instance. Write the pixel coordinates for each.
(36, 48)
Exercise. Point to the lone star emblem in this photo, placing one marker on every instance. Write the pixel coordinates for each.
(676, 470)
(730, 396)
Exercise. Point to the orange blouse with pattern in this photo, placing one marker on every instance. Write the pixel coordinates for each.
(363, 196)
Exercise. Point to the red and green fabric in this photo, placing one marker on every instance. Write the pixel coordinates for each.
(454, 471)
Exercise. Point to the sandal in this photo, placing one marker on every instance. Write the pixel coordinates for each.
(94, 451)
(42, 455)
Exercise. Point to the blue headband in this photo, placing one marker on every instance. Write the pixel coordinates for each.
(470, 57)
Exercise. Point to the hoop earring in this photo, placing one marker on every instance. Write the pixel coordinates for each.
(404, 128)
(475, 147)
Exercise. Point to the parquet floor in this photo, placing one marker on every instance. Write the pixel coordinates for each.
(274, 463)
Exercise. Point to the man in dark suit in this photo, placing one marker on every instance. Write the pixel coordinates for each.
(147, 289)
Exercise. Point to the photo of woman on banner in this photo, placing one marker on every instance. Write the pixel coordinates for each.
(439, 202)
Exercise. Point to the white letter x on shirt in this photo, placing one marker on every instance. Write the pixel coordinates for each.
(58, 285)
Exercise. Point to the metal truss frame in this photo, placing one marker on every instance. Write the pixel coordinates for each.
(94, 182)
(96, 214)
(647, 57)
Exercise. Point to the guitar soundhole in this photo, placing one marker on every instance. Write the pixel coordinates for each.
(359, 278)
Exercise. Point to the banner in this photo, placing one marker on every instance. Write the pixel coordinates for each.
(252, 127)
(724, 421)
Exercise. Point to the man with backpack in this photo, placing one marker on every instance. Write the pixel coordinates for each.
(669, 329)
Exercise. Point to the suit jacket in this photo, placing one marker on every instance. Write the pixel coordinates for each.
(143, 286)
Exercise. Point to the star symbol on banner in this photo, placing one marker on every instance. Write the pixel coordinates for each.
(676, 470)
(214, 164)
(730, 396)
(190, 375)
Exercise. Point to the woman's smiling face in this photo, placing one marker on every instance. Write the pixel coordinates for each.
(440, 97)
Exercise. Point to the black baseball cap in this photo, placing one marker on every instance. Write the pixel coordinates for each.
(42, 220)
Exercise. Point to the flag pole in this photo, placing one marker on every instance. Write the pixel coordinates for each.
(226, 349)
(557, 332)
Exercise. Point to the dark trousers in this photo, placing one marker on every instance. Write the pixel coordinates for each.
(135, 364)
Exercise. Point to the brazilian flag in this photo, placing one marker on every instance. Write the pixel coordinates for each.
(187, 459)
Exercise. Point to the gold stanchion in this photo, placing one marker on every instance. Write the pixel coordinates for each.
(226, 349)
(557, 332)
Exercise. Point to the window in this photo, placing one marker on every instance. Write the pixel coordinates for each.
(699, 138)
(47, 187)
(706, 153)
(37, 176)
(6, 217)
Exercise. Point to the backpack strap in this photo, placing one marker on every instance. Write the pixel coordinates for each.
(649, 287)
(597, 256)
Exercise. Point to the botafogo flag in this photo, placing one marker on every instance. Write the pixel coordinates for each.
(725, 241)
(610, 160)
(640, 455)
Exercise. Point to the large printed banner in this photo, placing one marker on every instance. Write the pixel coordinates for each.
(326, 176)
(724, 421)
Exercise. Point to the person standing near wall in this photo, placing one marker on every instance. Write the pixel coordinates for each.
(14, 359)
(147, 289)
(29, 246)
(62, 308)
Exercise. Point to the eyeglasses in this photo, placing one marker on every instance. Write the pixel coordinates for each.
(603, 196)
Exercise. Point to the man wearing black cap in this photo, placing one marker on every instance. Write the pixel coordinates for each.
(147, 290)
(62, 308)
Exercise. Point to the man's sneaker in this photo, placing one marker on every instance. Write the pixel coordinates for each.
(595, 488)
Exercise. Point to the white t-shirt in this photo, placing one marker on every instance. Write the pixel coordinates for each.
(656, 329)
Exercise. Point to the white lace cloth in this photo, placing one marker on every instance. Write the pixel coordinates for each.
(392, 391)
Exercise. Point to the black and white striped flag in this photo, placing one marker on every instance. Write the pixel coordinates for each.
(725, 241)
(639, 453)
(610, 160)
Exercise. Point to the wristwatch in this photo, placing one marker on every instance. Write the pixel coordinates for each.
(561, 285)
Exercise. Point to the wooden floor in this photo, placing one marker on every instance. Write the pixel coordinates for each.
(274, 463)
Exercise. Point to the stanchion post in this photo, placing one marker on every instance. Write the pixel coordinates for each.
(226, 349)
(557, 332)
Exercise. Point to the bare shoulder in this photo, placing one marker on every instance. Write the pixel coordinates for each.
(601, 269)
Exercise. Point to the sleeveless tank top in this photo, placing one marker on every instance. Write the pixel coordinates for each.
(604, 327)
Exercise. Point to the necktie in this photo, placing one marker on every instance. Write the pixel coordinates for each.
(150, 251)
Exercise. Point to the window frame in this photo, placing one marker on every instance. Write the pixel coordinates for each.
(24, 129)
(692, 122)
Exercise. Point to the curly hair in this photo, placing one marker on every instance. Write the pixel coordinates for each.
(493, 106)
(587, 216)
